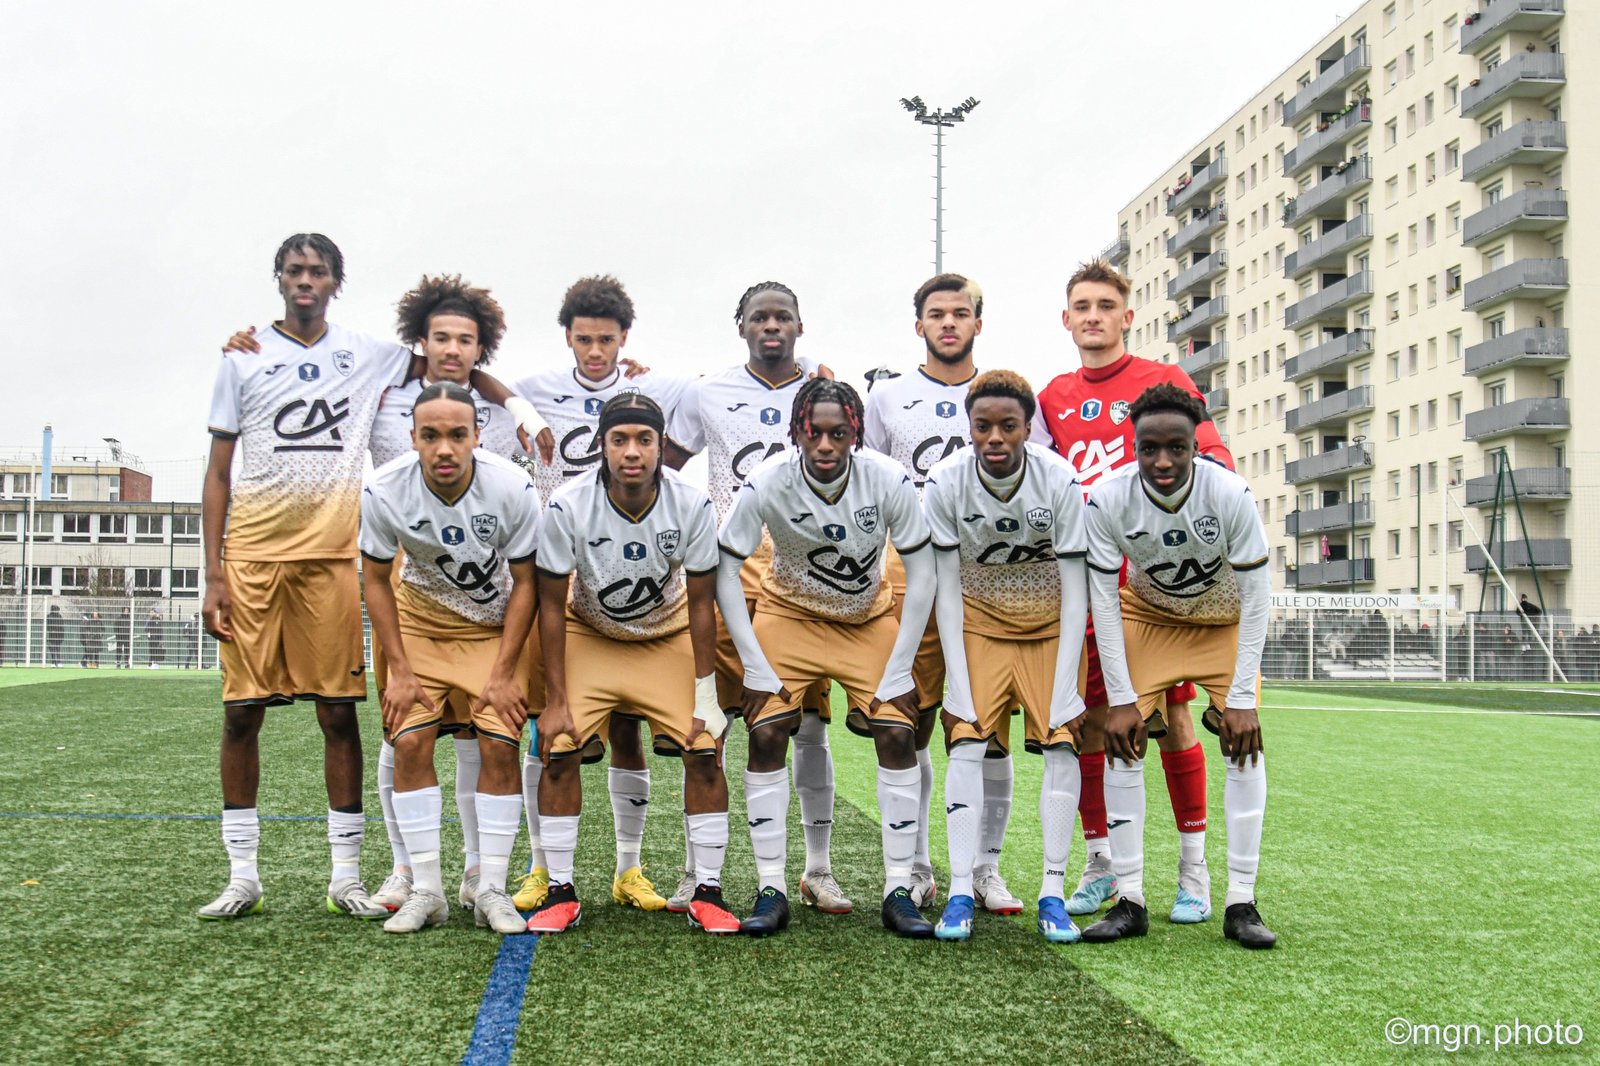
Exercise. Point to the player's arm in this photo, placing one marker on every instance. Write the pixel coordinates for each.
(217, 608)
(1125, 732)
(503, 691)
(1066, 704)
(1247, 554)
(760, 682)
(531, 428)
(950, 615)
(401, 691)
(908, 528)
(686, 432)
(556, 718)
(708, 716)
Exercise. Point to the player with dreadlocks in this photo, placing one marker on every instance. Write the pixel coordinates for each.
(824, 611)
(740, 417)
(631, 553)
(458, 327)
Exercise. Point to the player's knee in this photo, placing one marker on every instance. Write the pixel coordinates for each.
(627, 750)
(897, 749)
(241, 723)
(415, 746)
(769, 744)
(700, 768)
(339, 721)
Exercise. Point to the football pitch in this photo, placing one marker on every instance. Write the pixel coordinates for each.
(1429, 856)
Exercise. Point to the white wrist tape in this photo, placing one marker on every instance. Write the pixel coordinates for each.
(525, 415)
(707, 707)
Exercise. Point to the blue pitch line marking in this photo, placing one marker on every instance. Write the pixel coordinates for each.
(178, 817)
(494, 1033)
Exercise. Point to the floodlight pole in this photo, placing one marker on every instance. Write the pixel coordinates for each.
(939, 120)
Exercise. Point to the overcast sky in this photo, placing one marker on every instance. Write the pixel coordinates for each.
(161, 151)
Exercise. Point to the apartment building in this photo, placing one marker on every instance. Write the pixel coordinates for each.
(1369, 271)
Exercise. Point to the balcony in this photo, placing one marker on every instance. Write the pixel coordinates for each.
(1532, 142)
(1115, 252)
(1526, 279)
(1531, 210)
(1199, 228)
(1328, 87)
(1200, 183)
(1217, 400)
(1204, 359)
(1554, 553)
(1330, 248)
(1327, 144)
(1538, 415)
(1329, 304)
(1534, 346)
(1504, 16)
(1328, 354)
(1327, 519)
(1334, 408)
(1198, 275)
(1326, 199)
(1527, 74)
(1334, 572)
(1333, 463)
(1198, 318)
(1532, 483)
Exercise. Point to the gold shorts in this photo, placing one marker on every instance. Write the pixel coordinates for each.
(808, 652)
(1160, 657)
(730, 671)
(1005, 673)
(648, 679)
(296, 633)
(453, 672)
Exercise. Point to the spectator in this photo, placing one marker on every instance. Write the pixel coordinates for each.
(1529, 609)
(124, 639)
(155, 646)
(93, 634)
(54, 634)
(191, 640)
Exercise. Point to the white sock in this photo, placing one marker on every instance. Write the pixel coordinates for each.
(241, 836)
(1125, 820)
(710, 834)
(498, 819)
(397, 846)
(1098, 850)
(766, 802)
(897, 806)
(532, 771)
(630, 801)
(1192, 848)
(813, 783)
(1244, 802)
(559, 833)
(963, 803)
(469, 761)
(998, 777)
(919, 858)
(418, 813)
(1058, 808)
(345, 833)
(688, 846)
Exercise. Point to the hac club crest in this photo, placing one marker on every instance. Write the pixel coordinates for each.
(484, 525)
(667, 541)
(1041, 518)
(1208, 528)
(1119, 412)
(344, 361)
(867, 519)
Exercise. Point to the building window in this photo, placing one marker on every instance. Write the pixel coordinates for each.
(1394, 425)
(148, 528)
(75, 528)
(10, 526)
(1453, 217)
(74, 578)
(185, 529)
(43, 579)
(1388, 19)
(1391, 133)
(147, 580)
(186, 583)
(1453, 345)
(113, 527)
(44, 526)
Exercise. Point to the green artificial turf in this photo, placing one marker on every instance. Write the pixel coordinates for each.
(1430, 865)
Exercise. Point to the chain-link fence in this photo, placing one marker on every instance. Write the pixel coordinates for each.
(105, 632)
(1339, 645)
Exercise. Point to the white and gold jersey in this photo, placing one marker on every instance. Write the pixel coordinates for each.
(302, 414)
(570, 403)
(629, 570)
(1182, 550)
(827, 558)
(1008, 545)
(917, 420)
(458, 555)
(391, 430)
(738, 420)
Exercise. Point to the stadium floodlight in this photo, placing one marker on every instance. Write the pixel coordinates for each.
(940, 120)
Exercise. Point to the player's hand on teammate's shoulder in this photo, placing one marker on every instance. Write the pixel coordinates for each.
(243, 341)
(507, 698)
(632, 368)
(1125, 733)
(1241, 735)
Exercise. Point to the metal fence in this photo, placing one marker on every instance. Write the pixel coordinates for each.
(108, 632)
(1332, 645)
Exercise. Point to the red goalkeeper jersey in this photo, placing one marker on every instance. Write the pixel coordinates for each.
(1085, 414)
